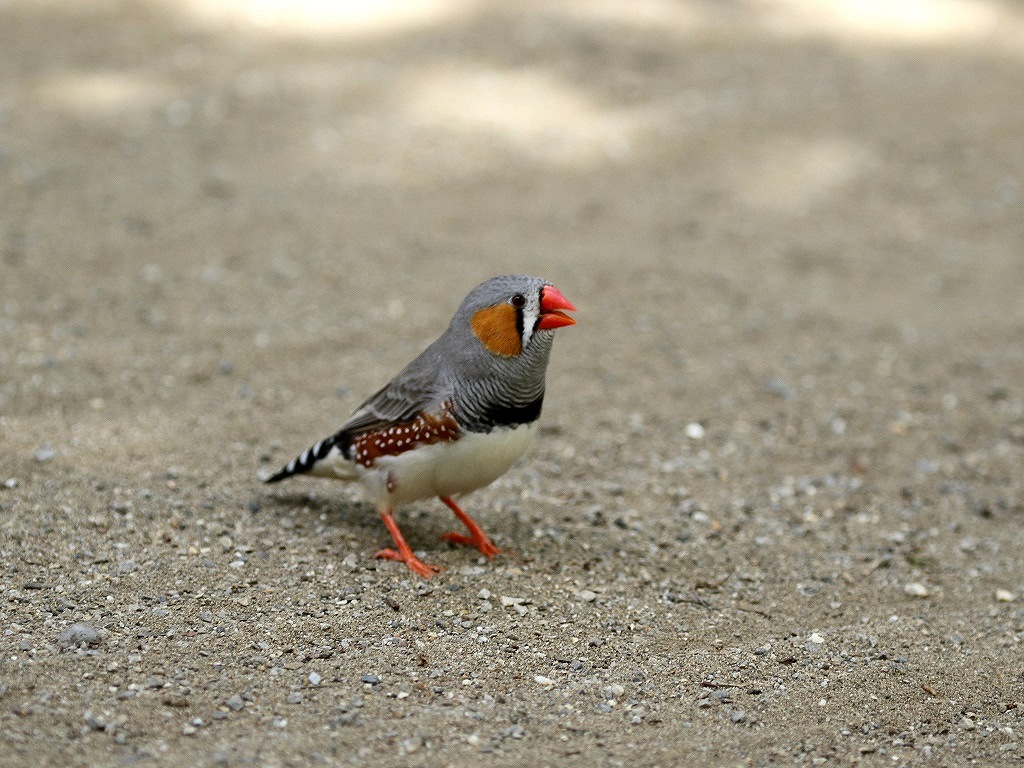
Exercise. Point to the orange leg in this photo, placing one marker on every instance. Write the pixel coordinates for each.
(403, 554)
(477, 538)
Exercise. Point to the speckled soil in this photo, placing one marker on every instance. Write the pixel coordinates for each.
(775, 514)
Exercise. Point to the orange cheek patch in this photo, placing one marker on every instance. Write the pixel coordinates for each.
(496, 329)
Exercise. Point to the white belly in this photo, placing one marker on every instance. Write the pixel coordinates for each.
(446, 469)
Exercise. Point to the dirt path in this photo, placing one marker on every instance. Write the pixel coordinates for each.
(774, 515)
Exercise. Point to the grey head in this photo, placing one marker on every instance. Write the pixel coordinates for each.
(494, 356)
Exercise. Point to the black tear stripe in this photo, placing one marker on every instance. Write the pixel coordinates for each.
(511, 415)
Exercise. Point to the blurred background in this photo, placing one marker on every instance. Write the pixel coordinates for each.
(186, 184)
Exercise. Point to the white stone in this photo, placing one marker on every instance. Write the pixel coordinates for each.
(916, 589)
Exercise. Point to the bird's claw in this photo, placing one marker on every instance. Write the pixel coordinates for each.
(487, 549)
(414, 564)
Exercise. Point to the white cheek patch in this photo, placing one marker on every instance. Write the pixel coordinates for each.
(531, 314)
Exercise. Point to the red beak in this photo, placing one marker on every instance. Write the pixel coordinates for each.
(551, 303)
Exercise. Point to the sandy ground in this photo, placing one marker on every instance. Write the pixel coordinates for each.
(775, 515)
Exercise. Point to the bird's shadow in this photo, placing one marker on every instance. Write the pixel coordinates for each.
(422, 528)
(309, 508)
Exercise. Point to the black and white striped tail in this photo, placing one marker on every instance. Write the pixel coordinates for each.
(307, 459)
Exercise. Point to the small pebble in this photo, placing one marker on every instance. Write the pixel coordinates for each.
(370, 679)
(294, 697)
(314, 678)
(586, 596)
(547, 682)
(1005, 596)
(916, 589)
(694, 431)
(77, 634)
(235, 703)
(816, 639)
(45, 453)
(779, 388)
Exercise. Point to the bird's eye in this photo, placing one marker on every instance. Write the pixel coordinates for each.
(518, 301)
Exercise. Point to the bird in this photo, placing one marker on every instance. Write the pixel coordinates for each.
(456, 418)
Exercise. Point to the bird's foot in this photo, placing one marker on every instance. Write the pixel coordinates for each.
(476, 538)
(414, 564)
(482, 543)
(403, 553)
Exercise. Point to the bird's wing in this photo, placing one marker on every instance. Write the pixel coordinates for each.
(400, 401)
